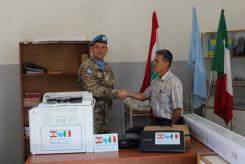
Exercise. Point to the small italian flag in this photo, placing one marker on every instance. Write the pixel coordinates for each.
(221, 64)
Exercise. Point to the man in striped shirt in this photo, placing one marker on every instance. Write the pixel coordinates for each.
(165, 93)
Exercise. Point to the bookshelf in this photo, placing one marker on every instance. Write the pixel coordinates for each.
(209, 38)
(237, 64)
(61, 61)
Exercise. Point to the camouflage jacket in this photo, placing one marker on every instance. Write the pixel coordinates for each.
(97, 81)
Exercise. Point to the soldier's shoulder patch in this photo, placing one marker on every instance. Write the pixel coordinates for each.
(89, 71)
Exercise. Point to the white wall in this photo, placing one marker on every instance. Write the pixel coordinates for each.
(126, 22)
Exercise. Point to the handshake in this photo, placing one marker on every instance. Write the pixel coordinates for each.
(121, 93)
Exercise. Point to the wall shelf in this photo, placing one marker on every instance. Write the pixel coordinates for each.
(62, 60)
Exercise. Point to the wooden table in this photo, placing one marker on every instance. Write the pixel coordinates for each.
(124, 156)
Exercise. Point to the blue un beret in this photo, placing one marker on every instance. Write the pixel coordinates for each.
(99, 38)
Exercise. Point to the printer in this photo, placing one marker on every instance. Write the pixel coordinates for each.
(62, 123)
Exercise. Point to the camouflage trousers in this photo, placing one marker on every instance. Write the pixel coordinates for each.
(102, 116)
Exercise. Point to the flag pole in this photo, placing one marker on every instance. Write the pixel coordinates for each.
(193, 62)
(231, 125)
(191, 110)
(209, 88)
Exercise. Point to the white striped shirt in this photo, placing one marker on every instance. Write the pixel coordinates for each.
(166, 95)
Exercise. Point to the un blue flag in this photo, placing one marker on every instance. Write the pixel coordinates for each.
(199, 88)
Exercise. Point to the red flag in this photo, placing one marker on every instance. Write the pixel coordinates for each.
(154, 43)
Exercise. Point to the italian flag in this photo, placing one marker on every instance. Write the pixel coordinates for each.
(154, 46)
(221, 64)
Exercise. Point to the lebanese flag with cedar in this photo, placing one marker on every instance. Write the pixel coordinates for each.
(154, 45)
(221, 63)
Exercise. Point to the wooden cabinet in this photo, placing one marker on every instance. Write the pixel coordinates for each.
(61, 61)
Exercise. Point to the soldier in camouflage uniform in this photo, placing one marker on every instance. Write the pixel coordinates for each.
(97, 77)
